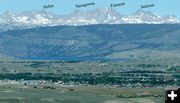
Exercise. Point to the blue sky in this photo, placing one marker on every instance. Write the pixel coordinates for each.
(162, 7)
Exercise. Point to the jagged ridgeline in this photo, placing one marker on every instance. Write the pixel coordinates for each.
(29, 19)
(94, 42)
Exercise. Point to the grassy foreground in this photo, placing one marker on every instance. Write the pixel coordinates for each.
(57, 94)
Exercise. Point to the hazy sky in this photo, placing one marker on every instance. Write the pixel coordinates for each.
(162, 7)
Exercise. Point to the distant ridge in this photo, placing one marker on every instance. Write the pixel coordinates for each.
(155, 42)
(29, 19)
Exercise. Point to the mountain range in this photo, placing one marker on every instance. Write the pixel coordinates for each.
(30, 19)
(100, 34)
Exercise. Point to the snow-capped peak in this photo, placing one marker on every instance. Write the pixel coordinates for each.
(9, 20)
(143, 17)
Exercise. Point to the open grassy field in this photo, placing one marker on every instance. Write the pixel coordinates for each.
(28, 94)
(75, 67)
